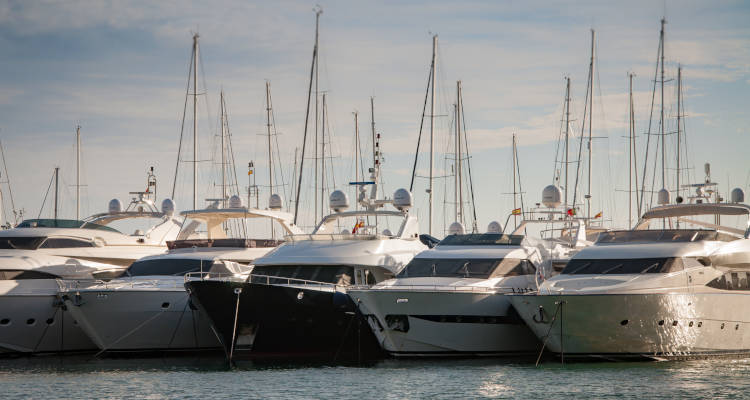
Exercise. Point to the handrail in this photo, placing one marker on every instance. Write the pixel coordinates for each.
(449, 288)
(68, 285)
(267, 278)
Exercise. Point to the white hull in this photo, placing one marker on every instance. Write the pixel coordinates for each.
(33, 321)
(442, 323)
(141, 319)
(670, 325)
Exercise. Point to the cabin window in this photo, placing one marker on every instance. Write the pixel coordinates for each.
(21, 243)
(64, 243)
(734, 280)
(23, 274)
(336, 274)
(623, 266)
(168, 267)
(466, 268)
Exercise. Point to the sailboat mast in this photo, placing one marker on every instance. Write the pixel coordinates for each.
(591, 114)
(57, 176)
(679, 124)
(268, 132)
(78, 172)
(323, 158)
(459, 152)
(513, 160)
(372, 122)
(223, 153)
(633, 153)
(432, 126)
(455, 161)
(317, 114)
(663, 136)
(195, 121)
(567, 137)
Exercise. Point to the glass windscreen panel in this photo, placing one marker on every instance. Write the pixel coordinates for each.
(25, 274)
(62, 223)
(479, 239)
(344, 225)
(64, 243)
(276, 274)
(665, 235)
(168, 267)
(466, 268)
(733, 280)
(623, 266)
(21, 242)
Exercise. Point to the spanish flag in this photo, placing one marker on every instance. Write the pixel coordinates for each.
(358, 225)
(598, 215)
(571, 211)
(517, 211)
(249, 172)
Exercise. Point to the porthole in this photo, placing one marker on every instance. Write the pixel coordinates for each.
(50, 321)
(30, 321)
(75, 322)
(736, 327)
(165, 305)
(4, 321)
(700, 323)
(722, 325)
(624, 322)
(674, 323)
(661, 322)
(690, 324)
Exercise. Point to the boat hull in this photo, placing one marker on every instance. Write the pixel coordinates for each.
(277, 321)
(653, 326)
(141, 320)
(442, 323)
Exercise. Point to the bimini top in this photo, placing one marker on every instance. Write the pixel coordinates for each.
(682, 211)
(215, 217)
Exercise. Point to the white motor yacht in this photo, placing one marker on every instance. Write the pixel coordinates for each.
(674, 286)
(450, 300)
(39, 252)
(147, 309)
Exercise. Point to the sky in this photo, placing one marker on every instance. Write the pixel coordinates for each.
(120, 69)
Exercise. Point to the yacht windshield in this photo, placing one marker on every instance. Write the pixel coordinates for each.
(337, 274)
(168, 266)
(478, 239)
(663, 235)
(481, 268)
(623, 266)
(21, 242)
(62, 223)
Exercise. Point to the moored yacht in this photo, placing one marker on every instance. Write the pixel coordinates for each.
(295, 302)
(450, 300)
(675, 286)
(39, 252)
(147, 309)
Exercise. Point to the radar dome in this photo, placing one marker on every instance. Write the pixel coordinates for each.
(456, 228)
(738, 195)
(339, 201)
(494, 227)
(167, 206)
(115, 206)
(551, 196)
(235, 201)
(663, 197)
(387, 232)
(402, 199)
(275, 202)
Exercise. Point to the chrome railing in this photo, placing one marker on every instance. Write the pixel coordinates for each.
(265, 280)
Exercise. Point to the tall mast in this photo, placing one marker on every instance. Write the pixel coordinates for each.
(630, 149)
(591, 114)
(513, 160)
(432, 125)
(567, 137)
(78, 172)
(317, 11)
(57, 176)
(372, 117)
(223, 153)
(663, 136)
(633, 150)
(456, 182)
(268, 132)
(315, 151)
(679, 124)
(459, 152)
(195, 121)
(356, 146)
(323, 158)
(16, 213)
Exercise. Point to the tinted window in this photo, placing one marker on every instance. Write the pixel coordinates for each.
(63, 243)
(467, 268)
(738, 280)
(62, 223)
(475, 239)
(21, 243)
(168, 266)
(21, 274)
(623, 266)
(337, 274)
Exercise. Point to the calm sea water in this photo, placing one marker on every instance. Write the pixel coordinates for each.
(82, 377)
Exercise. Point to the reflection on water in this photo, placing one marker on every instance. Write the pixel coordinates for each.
(209, 377)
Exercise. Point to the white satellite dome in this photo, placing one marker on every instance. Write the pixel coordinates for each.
(235, 201)
(738, 195)
(402, 199)
(339, 201)
(552, 196)
(115, 206)
(276, 202)
(663, 197)
(494, 227)
(345, 232)
(167, 206)
(387, 232)
(456, 228)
